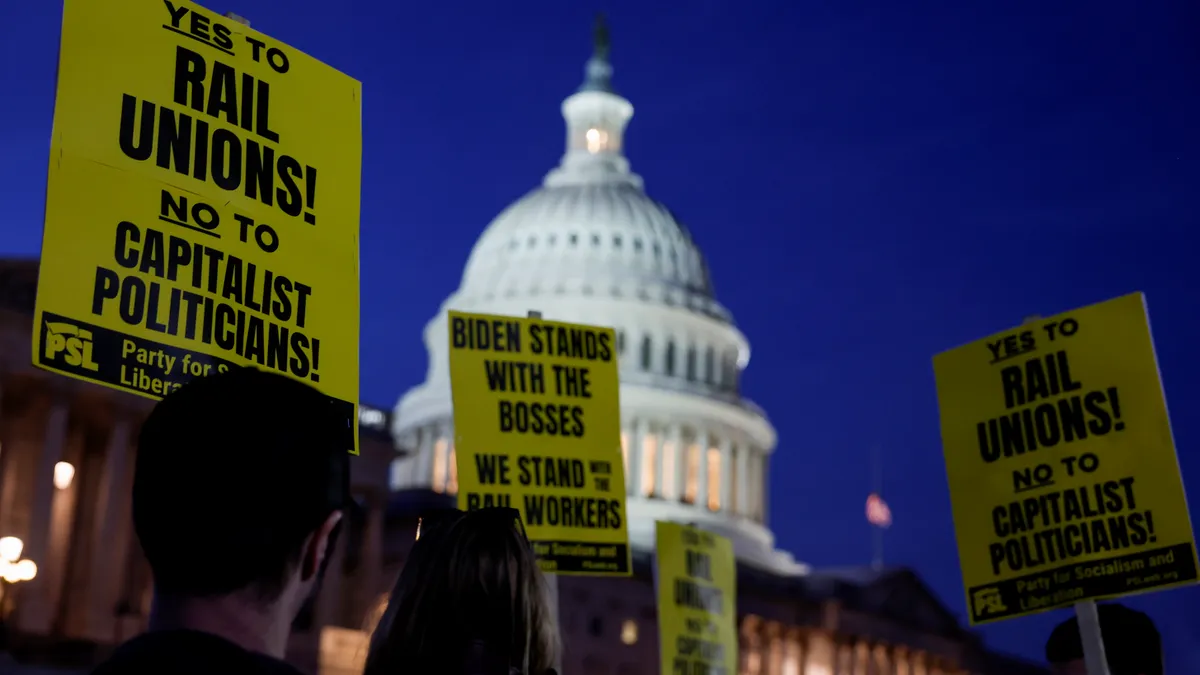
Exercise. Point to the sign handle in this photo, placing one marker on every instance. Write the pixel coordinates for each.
(1091, 638)
(1086, 615)
(551, 578)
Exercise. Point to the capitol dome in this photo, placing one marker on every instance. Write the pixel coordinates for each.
(590, 246)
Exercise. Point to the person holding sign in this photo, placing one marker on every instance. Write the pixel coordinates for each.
(471, 600)
(1132, 644)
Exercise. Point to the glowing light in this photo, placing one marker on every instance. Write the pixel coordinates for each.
(597, 140)
(370, 417)
(26, 570)
(64, 473)
(629, 632)
(10, 549)
(23, 570)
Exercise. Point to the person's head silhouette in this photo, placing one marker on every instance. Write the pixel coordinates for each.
(1131, 643)
(240, 484)
(471, 600)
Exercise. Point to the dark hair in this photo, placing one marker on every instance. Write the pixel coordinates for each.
(234, 471)
(1131, 642)
(470, 593)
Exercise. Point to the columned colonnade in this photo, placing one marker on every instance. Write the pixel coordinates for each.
(772, 648)
(671, 461)
(66, 474)
(66, 479)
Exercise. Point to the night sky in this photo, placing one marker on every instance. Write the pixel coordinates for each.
(872, 184)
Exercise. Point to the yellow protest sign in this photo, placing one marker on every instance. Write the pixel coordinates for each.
(537, 427)
(1063, 475)
(202, 205)
(697, 601)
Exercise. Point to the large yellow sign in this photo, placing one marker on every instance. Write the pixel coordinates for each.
(202, 207)
(537, 426)
(697, 601)
(1063, 475)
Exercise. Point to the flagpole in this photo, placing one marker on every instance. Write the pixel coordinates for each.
(877, 488)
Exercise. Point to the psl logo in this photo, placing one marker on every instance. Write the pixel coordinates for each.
(988, 601)
(70, 343)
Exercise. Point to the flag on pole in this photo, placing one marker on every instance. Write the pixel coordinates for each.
(878, 513)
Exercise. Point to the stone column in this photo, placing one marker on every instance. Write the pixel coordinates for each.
(900, 660)
(917, 662)
(845, 659)
(633, 478)
(883, 660)
(111, 532)
(743, 478)
(702, 471)
(660, 454)
(370, 567)
(34, 613)
(764, 481)
(726, 450)
(862, 658)
(680, 455)
(57, 569)
(423, 462)
(774, 648)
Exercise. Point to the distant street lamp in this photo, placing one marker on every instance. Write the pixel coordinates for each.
(13, 570)
(11, 548)
(64, 473)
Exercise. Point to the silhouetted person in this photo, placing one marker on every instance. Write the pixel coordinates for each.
(1131, 643)
(470, 600)
(240, 484)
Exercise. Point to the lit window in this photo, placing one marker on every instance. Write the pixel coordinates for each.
(649, 463)
(714, 479)
(734, 479)
(597, 140)
(625, 451)
(439, 466)
(629, 632)
(452, 484)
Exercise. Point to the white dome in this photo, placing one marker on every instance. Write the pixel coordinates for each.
(590, 239)
(590, 246)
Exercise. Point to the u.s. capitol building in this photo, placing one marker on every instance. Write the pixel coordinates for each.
(590, 246)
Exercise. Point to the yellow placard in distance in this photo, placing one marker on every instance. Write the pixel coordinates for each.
(202, 207)
(1063, 475)
(696, 575)
(537, 427)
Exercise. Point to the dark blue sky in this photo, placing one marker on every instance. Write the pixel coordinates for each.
(872, 183)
